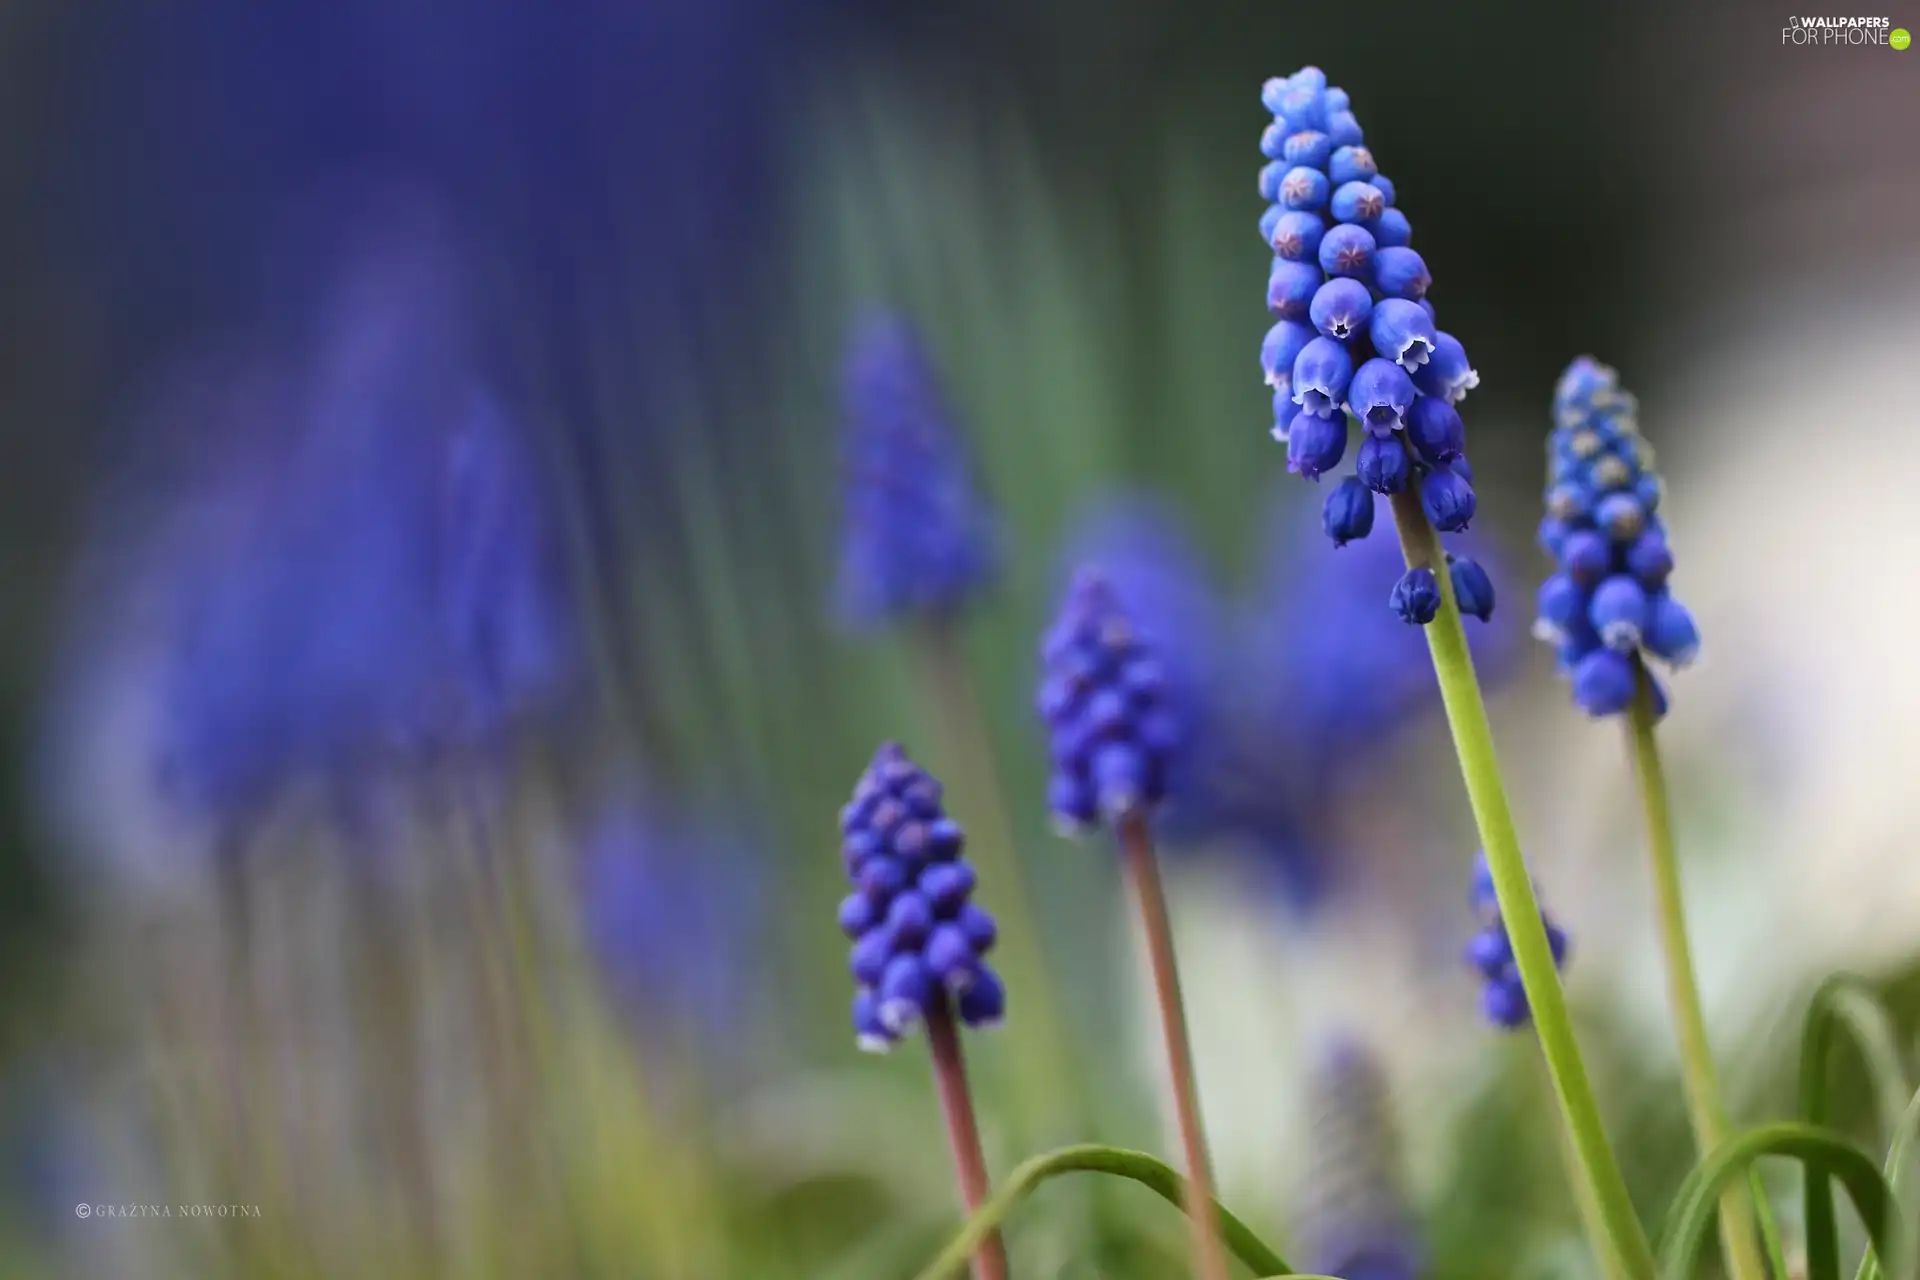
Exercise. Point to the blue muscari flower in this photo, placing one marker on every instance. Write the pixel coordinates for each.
(1116, 736)
(1352, 273)
(917, 538)
(1472, 588)
(1348, 512)
(1490, 951)
(918, 939)
(665, 895)
(1383, 464)
(1355, 1221)
(1611, 601)
(1282, 347)
(1416, 597)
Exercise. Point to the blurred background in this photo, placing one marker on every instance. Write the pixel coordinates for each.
(428, 680)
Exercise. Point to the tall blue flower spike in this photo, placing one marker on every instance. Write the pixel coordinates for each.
(1354, 332)
(1608, 602)
(917, 539)
(918, 937)
(1355, 1221)
(1502, 998)
(1114, 733)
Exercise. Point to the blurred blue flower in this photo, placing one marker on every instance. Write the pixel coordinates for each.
(1503, 997)
(1341, 260)
(1355, 1222)
(917, 539)
(1610, 601)
(917, 935)
(667, 893)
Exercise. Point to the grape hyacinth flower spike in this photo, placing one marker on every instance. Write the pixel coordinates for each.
(1355, 1221)
(1607, 607)
(919, 946)
(1102, 698)
(1337, 219)
(1354, 333)
(1502, 999)
(916, 539)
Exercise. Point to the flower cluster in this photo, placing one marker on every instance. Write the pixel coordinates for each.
(1503, 999)
(1355, 1220)
(916, 538)
(1609, 600)
(1103, 697)
(1355, 332)
(917, 935)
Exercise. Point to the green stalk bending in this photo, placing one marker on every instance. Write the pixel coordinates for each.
(1480, 769)
(1701, 1085)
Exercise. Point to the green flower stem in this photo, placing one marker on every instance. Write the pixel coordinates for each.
(1697, 1074)
(963, 1135)
(1042, 1050)
(1154, 1174)
(1480, 768)
(1210, 1261)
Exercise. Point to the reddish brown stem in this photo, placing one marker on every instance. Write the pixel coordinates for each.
(963, 1135)
(1210, 1258)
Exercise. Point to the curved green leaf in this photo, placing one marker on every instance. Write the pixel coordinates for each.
(1895, 1170)
(1148, 1171)
(1824, 1154)
(1844, 1001)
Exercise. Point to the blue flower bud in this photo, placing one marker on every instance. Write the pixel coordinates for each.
(1321, 373)
(984, 1003)
(868, 959)
(1621, 516)
(1472, 588)
(906, 992)
(1351, 164)
(1402, 332)
(1435, 431)
(1273, 140)
(1290, 287)
(1504, 1001)
(1603, 683)
(1283, 407)
(1072, 802)
(946, 886)
(950, 957)
(909, 919)
(1343, 130)
(1560, 606)
(1569, 501)
(1399, 272)
(1384, 185)
(1391, 230)
(1315, 444)
(1448, 500)
(857, 915)
(1383, 465)
(1337, 100)
(1446, 373)
(1348, 513)
(1380, 395)
(979, 927)
(1347, 250)
(1340, 308)
(1671, 633)
(1304, 107)
(1586, 556)
(1271, 176)
(1280, 349)
(1553, 532)
(1358, 202)
(1618, 611)
(1491, 952)
(1416, 597)
(880, 878)
(1650, 560)
(1300, 188)
(870, 1033)
(1295, 234)
(1122, 774)
(1308, 148)
(1273, 92)
(1649, 489)
(1270, 219)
